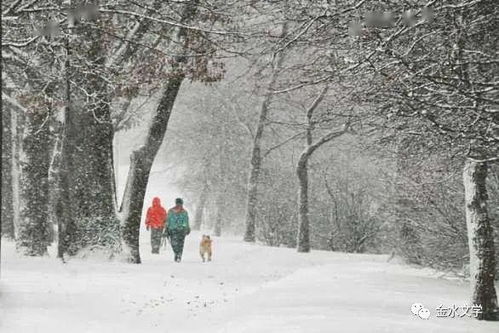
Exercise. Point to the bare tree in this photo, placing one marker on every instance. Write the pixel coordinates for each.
(457, 98)
(142, 159)
(256, 154)
(200, 207)
(302, 171)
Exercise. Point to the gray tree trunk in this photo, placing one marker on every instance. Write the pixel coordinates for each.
(61, 192)
(249, 235)
(142, 159)
(87, 209)
(304, 224)
(198, 216)
(34, 238)
(140, 167)
(302, 173)
(219, 219)
(256, 152)
(7, 172)
(217, 231)
(480, 239)
(17, 146)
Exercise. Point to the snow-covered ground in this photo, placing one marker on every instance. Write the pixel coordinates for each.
(247, 288)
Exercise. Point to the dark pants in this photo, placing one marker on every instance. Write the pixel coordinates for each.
(177, 238)
(156, 239)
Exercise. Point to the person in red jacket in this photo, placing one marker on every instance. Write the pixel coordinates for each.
(155, 221)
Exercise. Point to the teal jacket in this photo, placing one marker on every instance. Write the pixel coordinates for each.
(177, 220)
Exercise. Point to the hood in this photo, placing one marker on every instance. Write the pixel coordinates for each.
(156, 202)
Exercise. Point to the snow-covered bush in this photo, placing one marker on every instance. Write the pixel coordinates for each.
(98, 235)
(277, 209)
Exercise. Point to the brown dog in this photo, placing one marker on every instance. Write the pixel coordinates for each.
(205, 247)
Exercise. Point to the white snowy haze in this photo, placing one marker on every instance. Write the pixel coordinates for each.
(337, 163)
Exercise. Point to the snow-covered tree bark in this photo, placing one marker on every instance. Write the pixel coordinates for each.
(30, 144)
(302, 173)
(34, 236)
(142, 159)
(17, 144)
(61, 166)
(7, 169)
(481, 239)
(88, 136)
(304, 224)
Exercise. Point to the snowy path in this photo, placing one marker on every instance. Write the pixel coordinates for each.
(247, 288)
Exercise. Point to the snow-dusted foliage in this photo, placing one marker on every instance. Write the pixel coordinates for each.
(99, 235)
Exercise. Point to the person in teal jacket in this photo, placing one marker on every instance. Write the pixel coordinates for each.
(177, 227)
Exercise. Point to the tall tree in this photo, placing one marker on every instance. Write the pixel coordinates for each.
(33, 101)
(302, 171)
(42, 59)
(221, 207)
(438, 63)
(256, 159)
(142, 159)
(86, 212)
(200, 207)
(97, 66)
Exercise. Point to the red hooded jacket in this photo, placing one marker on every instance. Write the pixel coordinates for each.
(156, 215)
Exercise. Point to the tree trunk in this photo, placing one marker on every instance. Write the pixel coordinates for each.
(34, 238)
(142, 159)
(17, 146)
(61, 167)
(140, 167)
(7, 172)
(87, 209)
(480, 239)
(304, 225)
(249, 235)
(256, 153)
(63, 203)
(219, 219)
(198, 216)
(217, 231)
(302, 173)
